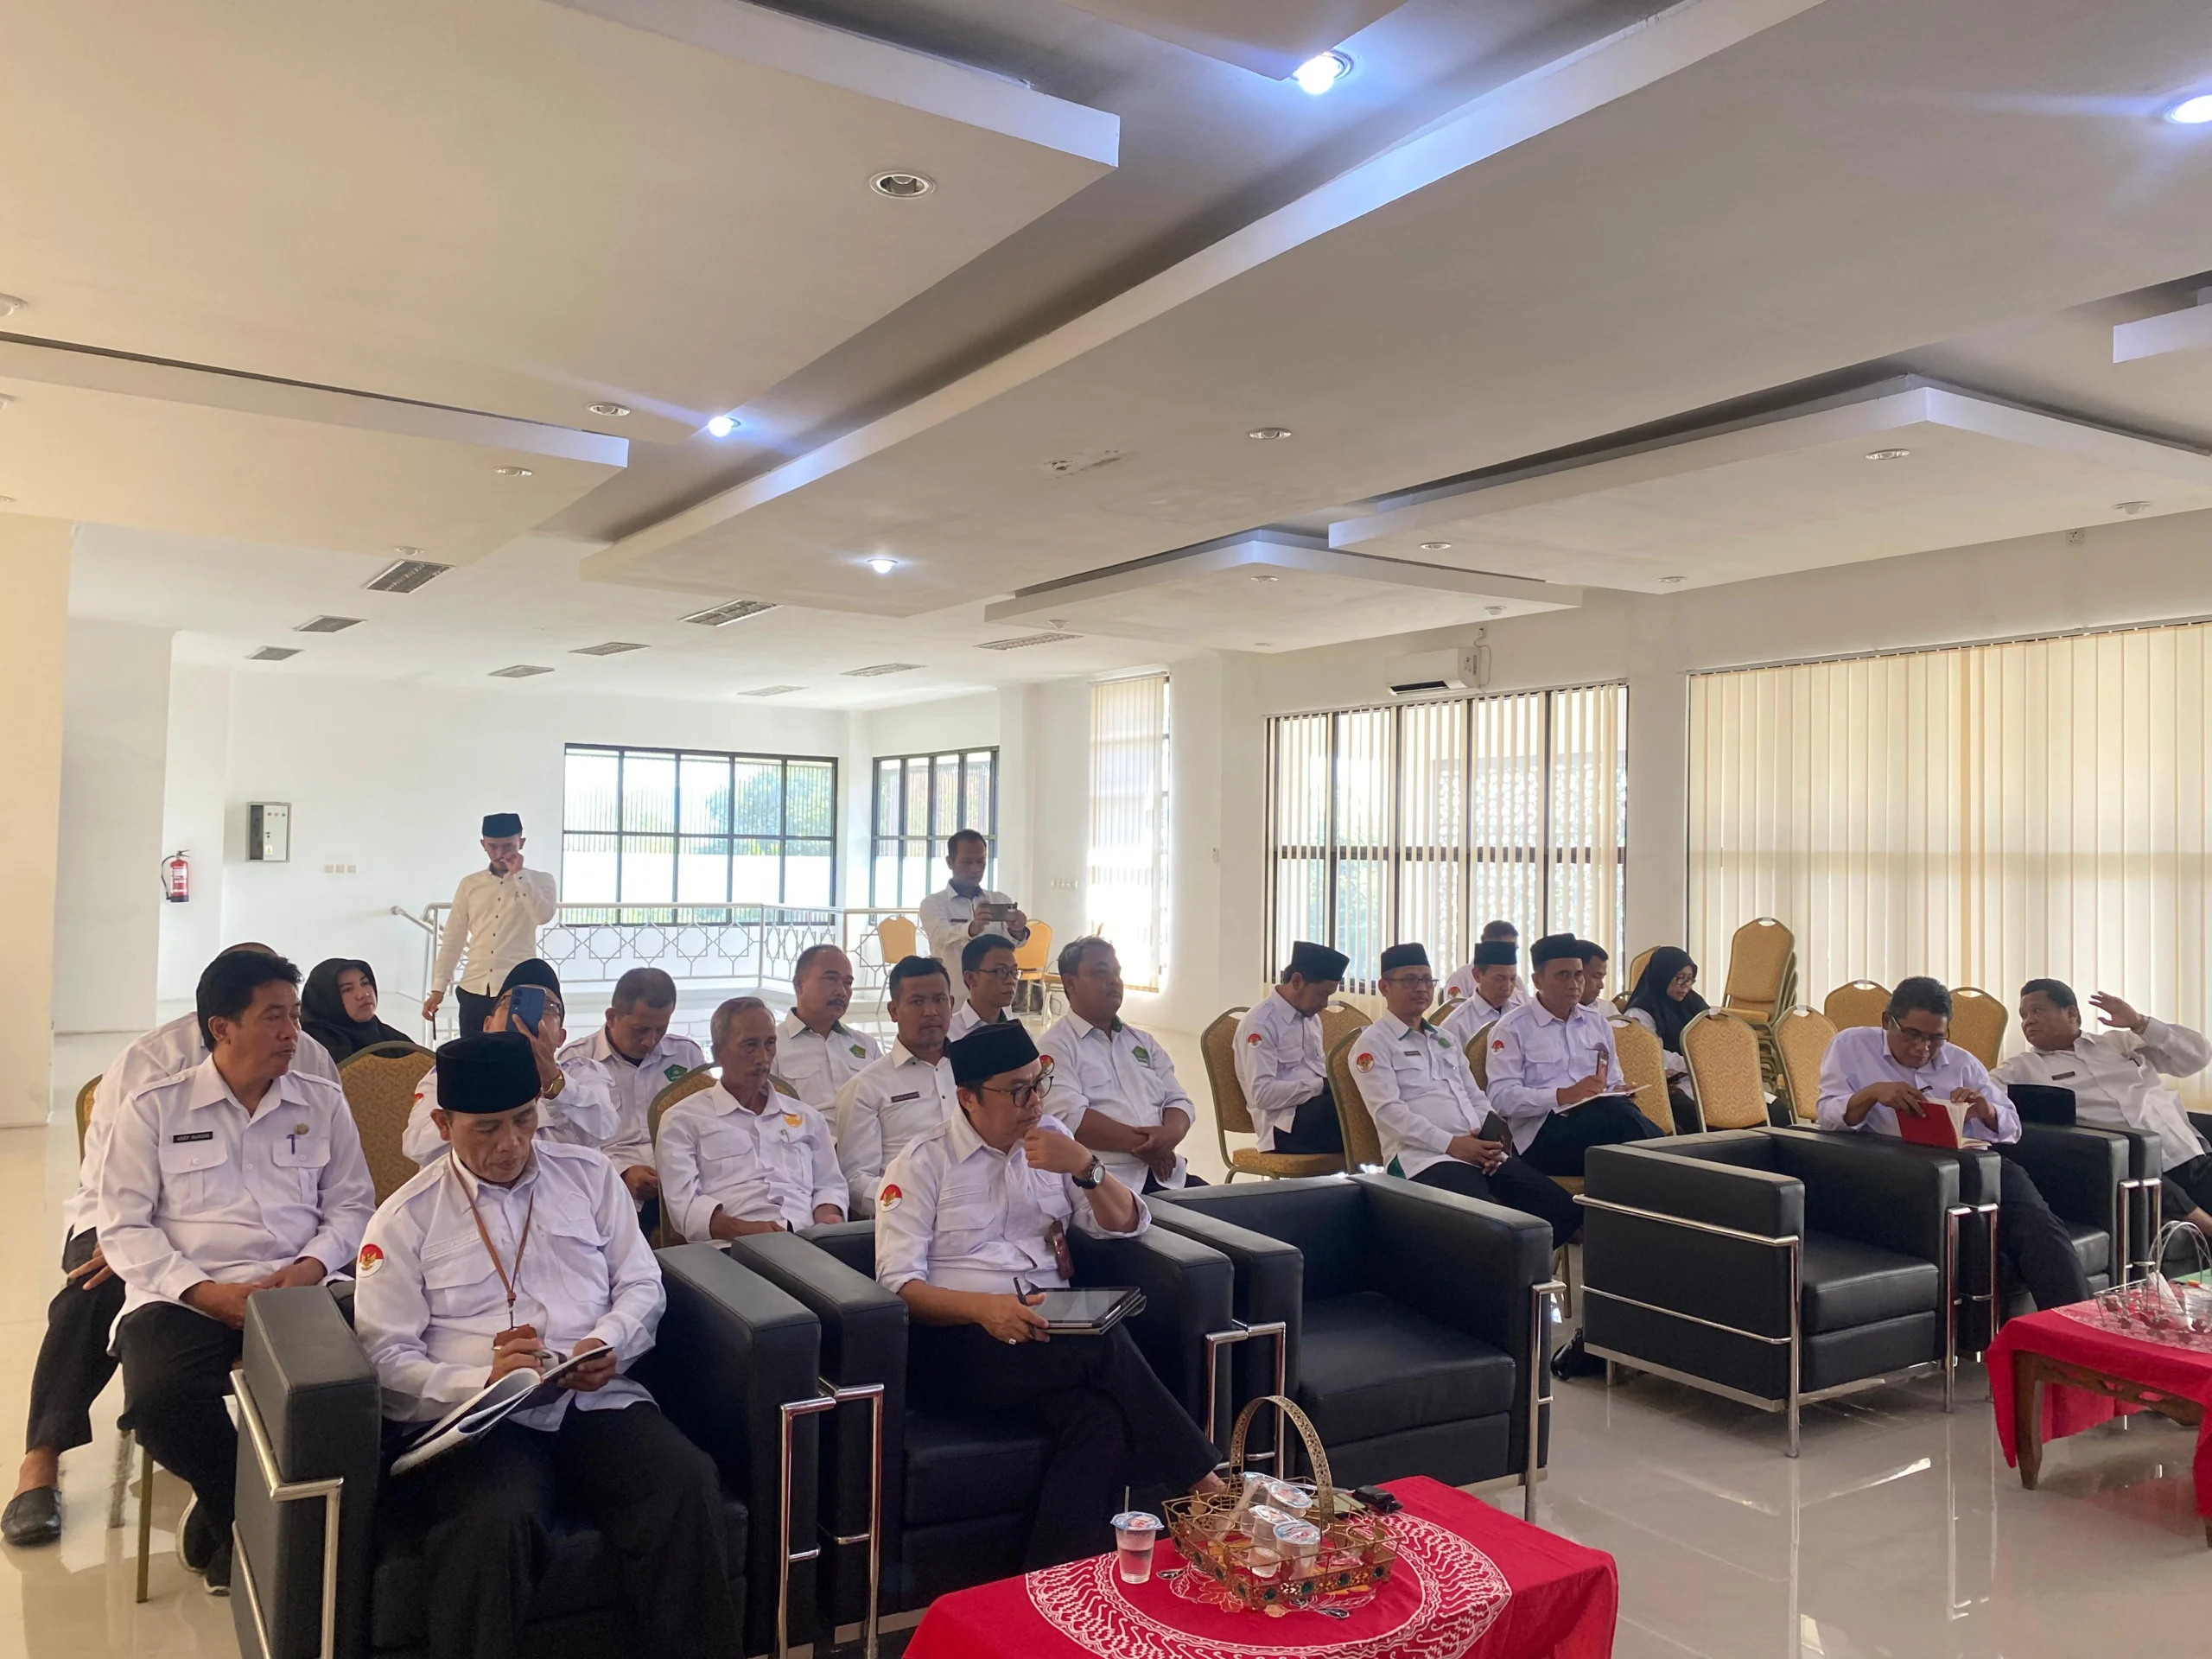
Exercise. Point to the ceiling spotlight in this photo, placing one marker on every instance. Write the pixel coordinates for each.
(1887, 454)
(1267, 434)
(1493, 610)
(514, 472)
(1318, 74)
(720, 427)
(7, 500)
(610, 408)
(2191, 111)
(2130, 508)
(882, 565)
(10, 305)
(1671, 581)
(1267, 578)
(1436, 547)
(902, 187)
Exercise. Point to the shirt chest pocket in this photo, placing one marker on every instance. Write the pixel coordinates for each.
(196, 1173)
(460, 1282)
(969, 1214)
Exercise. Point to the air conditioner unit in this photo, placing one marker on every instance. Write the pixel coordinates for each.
(1466, 669)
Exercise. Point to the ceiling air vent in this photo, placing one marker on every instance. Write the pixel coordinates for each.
(736, 611)
(405, 575)
(274, 653)
(1025, 641)
(610, 648)
(519, 672)
(770, 690)
(326, 624)
(875, 669)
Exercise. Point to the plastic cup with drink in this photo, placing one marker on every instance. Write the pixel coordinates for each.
(1134, 1534)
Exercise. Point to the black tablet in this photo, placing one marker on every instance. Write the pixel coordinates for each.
(1087, 1313)
(2039, 1103)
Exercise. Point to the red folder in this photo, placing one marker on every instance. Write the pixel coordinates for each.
(1944, 1124)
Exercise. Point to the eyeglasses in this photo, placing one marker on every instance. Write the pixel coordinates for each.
(1010, 971)
(1918, 1039)
(1419, 981)
(1023, 1093)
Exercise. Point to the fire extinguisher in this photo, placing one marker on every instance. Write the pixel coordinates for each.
(176, 878)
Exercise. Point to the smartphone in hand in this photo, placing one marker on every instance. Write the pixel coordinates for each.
(527, 1004)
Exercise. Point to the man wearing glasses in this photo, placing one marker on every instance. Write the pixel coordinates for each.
(984, 1202)
(1874, 1072)
(988, 970)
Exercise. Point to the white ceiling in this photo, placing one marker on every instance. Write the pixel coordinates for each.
(1269, 37)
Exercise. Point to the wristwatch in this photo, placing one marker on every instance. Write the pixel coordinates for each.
(1092, 1176)
(560, 1082)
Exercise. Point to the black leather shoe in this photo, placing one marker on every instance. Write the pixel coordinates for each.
(219, 1570)
(197, 1536)
(33, 1517)
(1573, 1361)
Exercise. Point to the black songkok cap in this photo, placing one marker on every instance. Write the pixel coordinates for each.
(1497, 953)
(498, 826)
(535, 971)
(1311, 961)
(1553, 946)
(1405, 956)
(990, 1051)
(491, 1072)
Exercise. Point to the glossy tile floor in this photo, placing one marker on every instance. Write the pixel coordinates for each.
(1900, 1531)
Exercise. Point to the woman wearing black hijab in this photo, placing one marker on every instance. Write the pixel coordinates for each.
(338, 1008)
(1664, 1002)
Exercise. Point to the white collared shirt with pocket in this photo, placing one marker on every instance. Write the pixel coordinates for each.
(881, 1110)
(582, 1114)
(1859, 1056)
(717, 1152)
(1280, 1065)
(820, 1064)
(1418, 1090)
(1119, 1072)
(945, 915)
(633, 1086)
(1534, 1054)
(2114, 1077)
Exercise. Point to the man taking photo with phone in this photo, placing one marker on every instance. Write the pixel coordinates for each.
(493, 925)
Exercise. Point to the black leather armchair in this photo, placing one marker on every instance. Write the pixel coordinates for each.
(958, 1489)
(1419, 1341)
(732, 1351)
(1776, 1267)
(2087, 1177)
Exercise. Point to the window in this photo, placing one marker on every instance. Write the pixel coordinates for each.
(1422, 821)
(1987, 814)
(686, 828)
(919, 800)
(1127, 872)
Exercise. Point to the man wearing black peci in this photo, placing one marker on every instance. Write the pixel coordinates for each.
(1280, 1065)
(1554, 1075)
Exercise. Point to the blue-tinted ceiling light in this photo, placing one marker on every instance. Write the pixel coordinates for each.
(720, 427)
(1317, 75)
(2190, 112)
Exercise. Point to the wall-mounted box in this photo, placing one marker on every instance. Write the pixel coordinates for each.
(268, 832)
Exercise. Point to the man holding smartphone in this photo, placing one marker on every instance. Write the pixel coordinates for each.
(493, 923)
(577, 1102)
(966, 909)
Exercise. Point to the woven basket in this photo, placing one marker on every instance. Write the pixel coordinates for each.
(1356, 1551)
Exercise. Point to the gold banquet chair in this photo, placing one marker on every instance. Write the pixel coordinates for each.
(1635, 966)
(1363, 1141)
(1803, 1035)
(1978, 1022)
(1762, 982)
(380, 1082)
(1643, 1063)
(1724, 1054)
(698, 1077)
(895, 938)
(1340, 1020)
(1862, 1002)
(1230, 1112)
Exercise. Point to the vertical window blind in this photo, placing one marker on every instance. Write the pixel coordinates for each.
(1986, 814)
(1422, 821)
(1128, 869)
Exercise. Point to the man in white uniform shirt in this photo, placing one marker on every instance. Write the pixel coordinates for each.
(1554, 1075)
(640, 1057)
(2113, 1074)
(238, 1175)
(987, 969)
(510, 1250)
(576, 1096)
(747, 1155)
(495, 917)
(907, 1093)
(1280, 1065)
(1873, 1073)
(1461, 985)
(1112, 1084)
(73, 1362)
(1433, 1121)
(987, 1198)
(964, 909)
(1493, 990)
(816, 1052)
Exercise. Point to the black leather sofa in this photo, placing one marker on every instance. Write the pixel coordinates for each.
(2086, 1175)
(1780, 1267)
(958, 1489)
(732, 1351)
(1420, 1334)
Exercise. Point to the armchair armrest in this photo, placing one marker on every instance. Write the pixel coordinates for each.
(1740, 1194)
(1875, 1190)
(1691, 1236)
(2078, 1170)
(1268, 1288)
(1189, 1289)
(309, 1397)
(733, 1350)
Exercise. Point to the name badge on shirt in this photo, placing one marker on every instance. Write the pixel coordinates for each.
(198, 1134)
(672, 1074)
(2061, 1077)
(1140, 1057)
(791, 1119)
(916, 1095)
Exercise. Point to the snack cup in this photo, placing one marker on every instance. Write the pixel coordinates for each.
(1134, 1534)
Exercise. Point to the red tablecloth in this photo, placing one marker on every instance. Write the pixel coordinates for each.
(1471, 1583)
(2178, 1372)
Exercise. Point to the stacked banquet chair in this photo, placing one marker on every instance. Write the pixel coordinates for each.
(736, 1366)
(1802, 1036)
(1728, 1069)
(1762, 982)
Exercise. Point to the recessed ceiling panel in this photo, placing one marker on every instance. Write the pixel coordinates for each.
(1271, 37)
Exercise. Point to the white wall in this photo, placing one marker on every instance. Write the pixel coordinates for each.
(108, 901)
(34, 635)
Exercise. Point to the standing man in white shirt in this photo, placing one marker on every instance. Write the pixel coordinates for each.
(1461, 985)
(1113, 1085)
(640, 1057)
(908, 1092)
(508, 1252)
(987, 969)
(495, 917)
(73, 1362)
(575, 1095)
(964, 909)
(1904, 1065)
(747, 1155)
(1554, 1075)
(2113, 1074)
(987, 1198)
(1432, 1118)
(1280, 1065)
(1492, 990)
(816, 1052)
(238, 1175)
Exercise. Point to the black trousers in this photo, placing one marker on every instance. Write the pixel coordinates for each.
(1566, 1137)
(655, 1497)
(1152, 1183)
(1314, 1128)
(1687, 1119)
(2183, 1188)
(2032, 1244)
(1113, 1423)
(1514, 1185)
(73, 1363)
(474, 1010)
(177, 1371)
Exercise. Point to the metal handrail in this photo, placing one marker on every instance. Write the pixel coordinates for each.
(1240, 1331)
(790, 1412)
(330, 1488)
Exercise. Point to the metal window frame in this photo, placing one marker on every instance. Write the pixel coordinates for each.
(330, 1490)
(900, 843)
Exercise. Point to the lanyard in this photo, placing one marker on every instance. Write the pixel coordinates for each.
(506, 1281)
